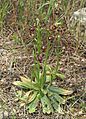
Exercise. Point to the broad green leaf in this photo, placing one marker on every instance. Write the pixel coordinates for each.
(29, 97)
(26, 96)
(26, 85)
(59, 98)
(45, 91)
(23, 79)
(56, 105)
(32, 106)
(21, 84)
(32, 97)
(60, 110)
(60, 90)
(46, 105)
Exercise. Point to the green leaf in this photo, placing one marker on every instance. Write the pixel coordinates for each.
(32, 106)
(29, 96)
(44, 90)
(21, 84)
(51, 74)
(59, 98)
(26, 85)
(48, 68)
(26, 96)
(56, 105)
(48, 73)
(50, 8)
(62, 76)
(48, 76)
(46, 105)
(43, 77)
(19, 94)
(60, 90)
(32, 97)
(23, 79)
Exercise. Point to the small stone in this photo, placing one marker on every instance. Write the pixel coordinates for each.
(83, 60)
(79, 15)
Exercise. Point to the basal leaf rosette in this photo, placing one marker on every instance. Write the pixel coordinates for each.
(50, 96)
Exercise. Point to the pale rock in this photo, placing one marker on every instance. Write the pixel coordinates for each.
(78, 20)
(79, 16)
